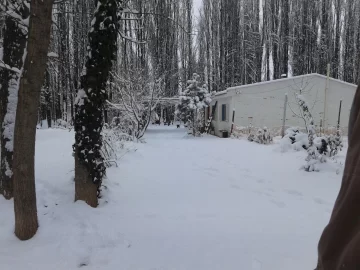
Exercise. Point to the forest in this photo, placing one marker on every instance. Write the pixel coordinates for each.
(96, 65)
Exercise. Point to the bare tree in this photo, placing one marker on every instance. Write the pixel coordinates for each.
(137, 96)
(26, 222)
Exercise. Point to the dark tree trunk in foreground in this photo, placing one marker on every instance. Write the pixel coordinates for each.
(89, 105)
(26, 222)
(13, 51)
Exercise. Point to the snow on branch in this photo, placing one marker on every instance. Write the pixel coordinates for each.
(137, 95)
(13, 69)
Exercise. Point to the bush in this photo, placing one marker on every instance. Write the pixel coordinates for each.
(318, 149)
(335, 144)
(114, 144)
(262, 136)
(298, 139)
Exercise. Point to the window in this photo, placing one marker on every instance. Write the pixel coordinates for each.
(213, 109)
(223, 112)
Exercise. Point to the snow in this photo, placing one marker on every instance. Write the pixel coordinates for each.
(53, 54)
(81, 96)
(221, 93)
(8, 125)
(177, 203)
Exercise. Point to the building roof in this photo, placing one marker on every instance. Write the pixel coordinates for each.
(230, 90)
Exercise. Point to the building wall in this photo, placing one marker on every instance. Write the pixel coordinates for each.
(217, 120)
(262, 104)
(337, 91)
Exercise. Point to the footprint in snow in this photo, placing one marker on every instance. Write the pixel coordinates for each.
(293, 192)
(278, 204)
(212, 169)
(256, 265)
(319, 201)
(151, 216)
(235, 187)
(260, 181)
(85, 261)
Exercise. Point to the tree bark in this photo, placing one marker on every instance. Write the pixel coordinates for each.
(13, 51)
(89, 105)
(336, 59)
(85, 189)
(26, 222)
(285, 30)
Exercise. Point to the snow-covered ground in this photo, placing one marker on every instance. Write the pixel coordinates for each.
(177, 203)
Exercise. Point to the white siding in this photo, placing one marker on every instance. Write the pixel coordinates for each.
(217, 122)
(264, 102)
(337, 91)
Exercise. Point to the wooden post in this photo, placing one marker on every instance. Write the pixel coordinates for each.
(250, 123)
(321, 127)
(194, 122)
(325, 101)
(284, 116)
(161, 114)
(232, 124)
(338, 123)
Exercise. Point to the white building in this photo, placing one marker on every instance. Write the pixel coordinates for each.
(262, 104)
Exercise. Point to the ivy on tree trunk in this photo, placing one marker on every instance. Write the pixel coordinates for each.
(90, 101)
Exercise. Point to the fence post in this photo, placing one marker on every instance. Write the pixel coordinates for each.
(321, 127)
(161, 113)
(250, 119)
(325, 100)
(232, 124)
(338, 123)
(284, 116)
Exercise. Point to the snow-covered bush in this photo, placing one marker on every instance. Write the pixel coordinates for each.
(62, 123)
(191, 103)
(318, 148)
(262, 136)
(314, 157)
(325, 145)
(322, 145)
(115, 144)
(335, 144)
(121, 128)
(299, 140)
(137, 96)
(240, 132)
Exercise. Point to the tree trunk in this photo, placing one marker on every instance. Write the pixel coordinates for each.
(285, 38)
(336, 59)
(189, 29)
(26, 222)
(14, 48)
(85, 189)
(89, 105)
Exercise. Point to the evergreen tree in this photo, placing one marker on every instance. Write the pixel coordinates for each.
(193, 99)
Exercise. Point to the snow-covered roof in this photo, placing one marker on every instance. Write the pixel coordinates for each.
(231, 90)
